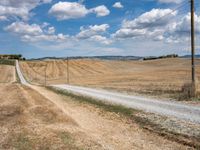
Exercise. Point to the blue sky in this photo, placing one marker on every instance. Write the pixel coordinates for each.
(39, 28)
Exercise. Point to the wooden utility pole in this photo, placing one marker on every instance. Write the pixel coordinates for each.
(193, 48)
(67, 70)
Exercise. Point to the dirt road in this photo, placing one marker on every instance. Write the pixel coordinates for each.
(167, 108)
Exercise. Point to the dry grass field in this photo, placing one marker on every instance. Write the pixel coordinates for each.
(45, 120)
(7, 73)
(164, 77)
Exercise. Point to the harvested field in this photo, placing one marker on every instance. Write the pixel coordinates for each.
(164, 77)
(36, 118)
(7, 74)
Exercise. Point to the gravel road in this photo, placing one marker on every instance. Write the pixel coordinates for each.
(166, 108)
(20, 75)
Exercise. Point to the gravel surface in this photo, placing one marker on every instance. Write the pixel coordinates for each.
(166, 108)
(20, 75)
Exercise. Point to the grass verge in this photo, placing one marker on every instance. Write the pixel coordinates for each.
(131, 114)
(119, 109)
(7, 62)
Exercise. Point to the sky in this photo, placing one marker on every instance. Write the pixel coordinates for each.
(61, 28)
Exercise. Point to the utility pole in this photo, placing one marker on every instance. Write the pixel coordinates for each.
(67, 70)
(193, 48)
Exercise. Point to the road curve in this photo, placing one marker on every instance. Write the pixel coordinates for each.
(166, 108)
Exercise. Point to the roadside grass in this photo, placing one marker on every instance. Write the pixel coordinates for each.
(132, 115)
(7, 62)
(119, 109)
(68, 140)
(22, 142)
(26, 142)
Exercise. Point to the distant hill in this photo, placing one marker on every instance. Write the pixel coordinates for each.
(189, 56)
(95, 57)
(119, 57)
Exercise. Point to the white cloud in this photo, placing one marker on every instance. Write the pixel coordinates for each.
(153, 18)
(45, 32)
(118, 5)
(170, 1)
(7, 11)
(130, 33)
(179, 31)
(151, 24)
(51, 30)
(101, 39)
(3, 18)
(101, 11)
(19, 8)
(34, 32)
(68, 10)
(183, 25)
(91, 31)
(159, 25)
(23, 28)
(73, 10)
(94, 33)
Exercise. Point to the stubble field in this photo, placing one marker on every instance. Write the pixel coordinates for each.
(164, 77)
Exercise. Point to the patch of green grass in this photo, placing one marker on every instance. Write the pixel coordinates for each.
(68, 140)
(196, 99)
(119, 109)
(7, 62)
(23, 143)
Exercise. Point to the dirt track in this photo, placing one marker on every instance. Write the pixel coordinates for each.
(30, 120)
